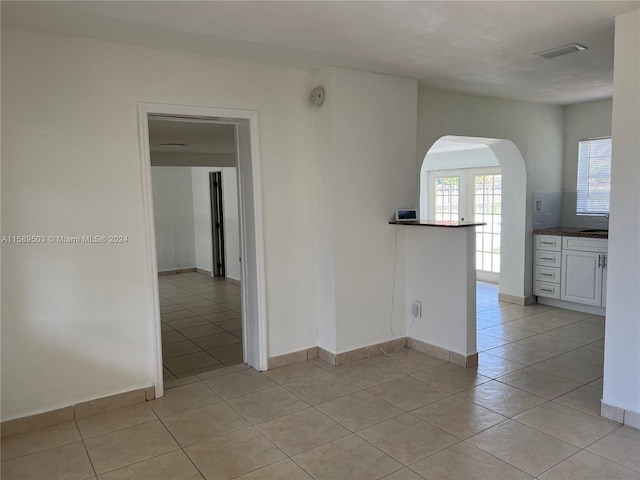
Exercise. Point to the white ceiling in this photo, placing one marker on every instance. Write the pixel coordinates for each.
(478, 47)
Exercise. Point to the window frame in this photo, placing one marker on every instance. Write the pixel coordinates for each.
(584, 207)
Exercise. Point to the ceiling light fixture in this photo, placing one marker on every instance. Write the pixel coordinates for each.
(564, 50)
(173, 145)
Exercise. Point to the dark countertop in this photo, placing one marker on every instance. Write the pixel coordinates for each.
(439, 223)
(573, 232)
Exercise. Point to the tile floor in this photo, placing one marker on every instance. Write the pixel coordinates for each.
(201, 324)
(529, 411)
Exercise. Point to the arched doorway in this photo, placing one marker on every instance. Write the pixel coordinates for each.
(484, 152)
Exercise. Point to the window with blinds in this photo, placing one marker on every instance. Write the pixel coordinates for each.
(594, 176)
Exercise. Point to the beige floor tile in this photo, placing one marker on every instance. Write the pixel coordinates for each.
(587, 466)
(172, 337)
(498, 315)
(548, 343)
(177, 382)
(240, 383)
(487, 342)
(218, 317)
(293, 372)
(567, 424)
(183, 398)
(169, 307)
(228, 355)
(359, 410)
(177, 315)
(234, 454)
(523, 447)
(200, 331)
(501, 398)
(223, 371)
(622, 446)
(539, 383)
(190, 362)
(404, 474)
(210, 309)
(493, 367)
(520, 354)
(506, 332)
(572, 369)
(204, 423)
(170, 466)
(266, 404)
(407, 438)
(586, 399)
(218, 340)
(588, 354)
(197, 303)
(347, 458)
(408, 393)
(282, 470)
(321, 388)
(303, 430)
(187, 323)
(598, 344)
(366, 374)
(179, 348)
(39, 440)
(459, 417)
(451, 378)
(130, 445)
(463, 461)
(165, 327)
(412, 362)
(597, 383)
(526, 310)
(66, 462)
(115, 420)
(578, 332)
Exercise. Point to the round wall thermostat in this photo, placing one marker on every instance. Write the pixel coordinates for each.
(317, 96)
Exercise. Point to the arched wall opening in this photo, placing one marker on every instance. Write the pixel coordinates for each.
(514, 200)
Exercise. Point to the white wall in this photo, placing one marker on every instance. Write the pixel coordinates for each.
(71, 165)
(173, 215)
(365, 142)
(440, 273)
(202, 219)
(622, 336)
(536, 130)
(478, 157)
(584, 120)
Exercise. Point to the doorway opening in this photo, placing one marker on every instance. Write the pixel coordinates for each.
(198, 293)
(482, 180)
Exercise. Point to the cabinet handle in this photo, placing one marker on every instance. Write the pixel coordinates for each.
(599, 261)
(546, 275)
(604, 261)
(546, 290)
(547, 258)
(548, 243)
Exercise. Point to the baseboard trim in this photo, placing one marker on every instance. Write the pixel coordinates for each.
(620, 415)
(75, 412)
(176, 271)
(578, 307)
(293, 357)
(517, 300)
(466, 361)
(202, 270)
(233, 280)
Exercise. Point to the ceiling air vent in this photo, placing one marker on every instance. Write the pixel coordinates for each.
(564, 50)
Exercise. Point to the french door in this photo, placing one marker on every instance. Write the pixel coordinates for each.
(472, 194)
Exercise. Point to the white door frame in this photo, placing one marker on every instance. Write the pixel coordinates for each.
(252, 245)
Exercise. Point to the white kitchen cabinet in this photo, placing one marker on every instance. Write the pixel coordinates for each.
(583, 271)
(571, 270)
(581, 277)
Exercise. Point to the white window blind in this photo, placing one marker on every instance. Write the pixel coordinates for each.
(594, 176)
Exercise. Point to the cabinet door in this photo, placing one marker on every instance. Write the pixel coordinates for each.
(581, 277)
(604, 281)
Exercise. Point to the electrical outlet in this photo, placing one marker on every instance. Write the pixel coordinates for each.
(416, 309)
